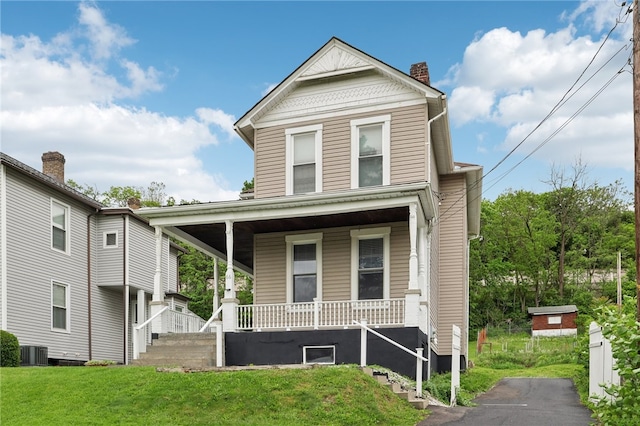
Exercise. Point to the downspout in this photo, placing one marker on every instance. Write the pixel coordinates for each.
(431, 120)
(125, 284)
(428, 290)
(89, 282)
(3, 247)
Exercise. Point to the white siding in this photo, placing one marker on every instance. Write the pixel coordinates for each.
(32, 265)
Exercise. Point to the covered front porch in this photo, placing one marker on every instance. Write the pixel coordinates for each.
(228, 231)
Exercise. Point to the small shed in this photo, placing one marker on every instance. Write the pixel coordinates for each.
(554, 320)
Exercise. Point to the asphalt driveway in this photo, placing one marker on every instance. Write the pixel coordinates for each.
(519, 402)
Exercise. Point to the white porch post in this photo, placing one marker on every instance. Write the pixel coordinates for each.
(229, 303)
(216, 281)
(412, 294)
(140, 337)
(158, 325)
(422, 278)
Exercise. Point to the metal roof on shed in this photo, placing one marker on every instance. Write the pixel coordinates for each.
(542, 310)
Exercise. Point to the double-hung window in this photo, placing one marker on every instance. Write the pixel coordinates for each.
(304, 159)
(304, 267)
(59, 226)
(370, 146)
(59, 307)
(370, 263)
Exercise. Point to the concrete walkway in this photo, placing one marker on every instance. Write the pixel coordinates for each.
(519, 402)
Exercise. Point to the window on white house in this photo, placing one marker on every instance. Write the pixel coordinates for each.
(304, 159)
(59, 226)
(370, 263)
(304, 267)
(110, 239)
(59, 307)
(370, 141)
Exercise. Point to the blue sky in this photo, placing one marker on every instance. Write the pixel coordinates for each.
(135, 92)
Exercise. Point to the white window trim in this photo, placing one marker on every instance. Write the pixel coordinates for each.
(104, 240)
(304, 354)
(67, 228)
(370, 233)
(317, 128)
(554, 320)
(385, 120)
(292, 240)
(67, 295)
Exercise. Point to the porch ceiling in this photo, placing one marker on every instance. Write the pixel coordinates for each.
(213, 234)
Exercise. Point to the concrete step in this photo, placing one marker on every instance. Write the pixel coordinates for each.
(176, 349)
(193, 339)
(171, 362)
(177, 355)
(407, 394)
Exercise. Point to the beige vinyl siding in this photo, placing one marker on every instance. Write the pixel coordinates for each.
(336, 258)
(408, 162)
(32, 265)
(434, 282)
(142, 257)
(270, 162)
(270, 267)
(399, 262)
(408, 138)
(452, 299)
(336, 154)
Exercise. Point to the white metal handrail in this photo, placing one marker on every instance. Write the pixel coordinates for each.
(183, 322)
(417, 354)
(214, 316)
(138, 333)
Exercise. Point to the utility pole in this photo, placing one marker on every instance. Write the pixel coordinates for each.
(636, 140)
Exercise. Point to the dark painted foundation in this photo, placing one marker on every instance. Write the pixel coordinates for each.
(286, 347)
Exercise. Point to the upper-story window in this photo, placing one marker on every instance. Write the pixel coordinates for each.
(304, 267)
(370, 158)
(59, 226)
(304, 159)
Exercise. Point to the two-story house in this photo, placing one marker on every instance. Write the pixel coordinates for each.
(358, 213)
(75, 276)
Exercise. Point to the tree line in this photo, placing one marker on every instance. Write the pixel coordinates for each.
(552, 248)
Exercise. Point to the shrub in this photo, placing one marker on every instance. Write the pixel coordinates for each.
(9, 350)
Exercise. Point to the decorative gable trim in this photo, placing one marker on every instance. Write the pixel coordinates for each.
(336, 61)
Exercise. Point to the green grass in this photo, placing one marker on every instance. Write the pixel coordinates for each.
(141, 396)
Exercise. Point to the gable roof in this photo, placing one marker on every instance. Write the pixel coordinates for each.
(48, 181)
(543, 310)
(337, 58)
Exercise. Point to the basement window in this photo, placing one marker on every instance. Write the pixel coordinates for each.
(318, 354)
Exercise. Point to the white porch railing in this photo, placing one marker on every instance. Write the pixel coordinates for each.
(183, 322)
(321, 314)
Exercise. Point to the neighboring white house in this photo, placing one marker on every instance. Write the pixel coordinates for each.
(75, 276)
(358, 212)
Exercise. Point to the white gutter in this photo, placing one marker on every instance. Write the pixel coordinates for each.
(126, 289)
(431, 120)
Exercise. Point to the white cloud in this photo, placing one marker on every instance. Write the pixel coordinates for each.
(513, 80)
(58, 95)
(270, 87)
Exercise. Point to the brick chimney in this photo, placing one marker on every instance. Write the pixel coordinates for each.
(53, 165)
(420, 72)
(133, 203)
